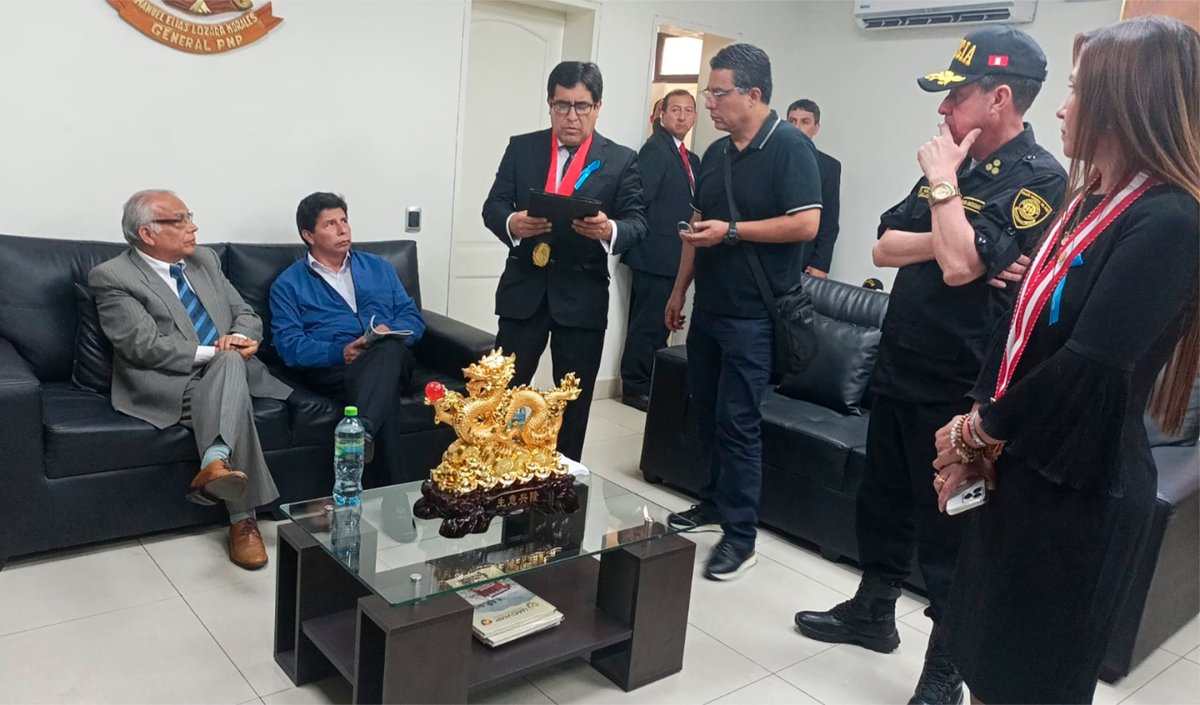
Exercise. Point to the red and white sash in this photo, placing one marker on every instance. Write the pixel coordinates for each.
(1041, 279)
(566, 186)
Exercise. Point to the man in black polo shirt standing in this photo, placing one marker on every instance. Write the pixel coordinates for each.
(777, 191)
(987, 193)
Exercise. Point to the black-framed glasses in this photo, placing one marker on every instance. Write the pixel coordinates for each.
(562, 107)
(178, 222)
(717, 94)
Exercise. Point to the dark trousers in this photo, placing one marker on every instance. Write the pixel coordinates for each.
(571, 350)
(374, 382)
(729, 367)
(896, 504)
(646, 332)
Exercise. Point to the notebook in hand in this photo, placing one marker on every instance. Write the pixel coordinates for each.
(561, 208)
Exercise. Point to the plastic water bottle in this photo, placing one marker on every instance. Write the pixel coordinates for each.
(346, 535)
(348, 444)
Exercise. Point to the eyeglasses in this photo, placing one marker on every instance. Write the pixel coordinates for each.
(715, 95)
(177, 222)
(562, 107)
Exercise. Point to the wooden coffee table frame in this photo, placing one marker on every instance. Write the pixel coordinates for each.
(627, 612)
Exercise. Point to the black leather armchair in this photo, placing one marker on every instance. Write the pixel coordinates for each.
(76, 471)
(814, 455)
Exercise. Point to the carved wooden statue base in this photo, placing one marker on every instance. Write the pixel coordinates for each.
(472, 513)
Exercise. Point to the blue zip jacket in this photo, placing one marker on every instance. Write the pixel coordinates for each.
(312, 324)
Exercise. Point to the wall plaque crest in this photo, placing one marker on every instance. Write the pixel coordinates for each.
(210, 35)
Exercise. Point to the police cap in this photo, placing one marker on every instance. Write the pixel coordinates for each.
(998, 50)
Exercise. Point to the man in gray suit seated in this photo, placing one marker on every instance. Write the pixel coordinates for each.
(183, 352)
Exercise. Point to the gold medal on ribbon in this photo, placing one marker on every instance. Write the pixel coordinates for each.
(541, 255)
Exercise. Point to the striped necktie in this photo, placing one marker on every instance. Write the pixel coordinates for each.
(206, 330)
(567, 162)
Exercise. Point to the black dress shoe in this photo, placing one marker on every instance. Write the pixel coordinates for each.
(727, 562)
(641, 402)
(868, 619)
(694, 519)
(940, 683)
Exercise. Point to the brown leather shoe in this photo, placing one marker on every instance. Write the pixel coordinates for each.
(217, 482)
(246, 548)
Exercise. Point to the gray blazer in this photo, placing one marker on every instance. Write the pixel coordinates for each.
(154, 342)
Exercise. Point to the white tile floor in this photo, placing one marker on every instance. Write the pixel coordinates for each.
(168, 619)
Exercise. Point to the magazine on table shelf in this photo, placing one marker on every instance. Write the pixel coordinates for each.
(504, 610)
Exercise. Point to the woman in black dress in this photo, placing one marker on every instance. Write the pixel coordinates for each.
(1110, 299)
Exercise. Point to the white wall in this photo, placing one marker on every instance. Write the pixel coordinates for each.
(358, 97)
(874, 117)
(361, 97)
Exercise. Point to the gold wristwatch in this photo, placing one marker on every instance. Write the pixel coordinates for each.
(941, 192)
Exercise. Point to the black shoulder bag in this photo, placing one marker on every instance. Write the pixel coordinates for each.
(795, 336)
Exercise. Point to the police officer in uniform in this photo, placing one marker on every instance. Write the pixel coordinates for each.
(960, 241)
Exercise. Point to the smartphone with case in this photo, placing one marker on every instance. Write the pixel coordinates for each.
(968, 496)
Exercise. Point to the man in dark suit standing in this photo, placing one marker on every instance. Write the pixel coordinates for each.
(668, 172)
(555, 282)
(817, 255)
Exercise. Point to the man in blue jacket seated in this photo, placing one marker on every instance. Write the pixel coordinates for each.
(322, 306)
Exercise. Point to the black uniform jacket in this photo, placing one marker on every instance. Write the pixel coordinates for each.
(668, 196)
(576, 277)
(935, 335)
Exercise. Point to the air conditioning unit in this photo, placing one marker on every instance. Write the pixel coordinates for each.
(896, 14)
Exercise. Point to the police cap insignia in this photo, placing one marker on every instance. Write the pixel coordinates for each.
(945, 78)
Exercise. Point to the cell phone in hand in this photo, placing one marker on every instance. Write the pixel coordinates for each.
(683, 226)
(968, 496)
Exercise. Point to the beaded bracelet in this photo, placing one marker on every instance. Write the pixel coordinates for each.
(966, 453)
(974, 434)
(991, 451)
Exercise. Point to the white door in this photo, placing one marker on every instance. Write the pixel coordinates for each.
(511, 50)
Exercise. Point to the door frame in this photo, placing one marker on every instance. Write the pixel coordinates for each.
(580, 42)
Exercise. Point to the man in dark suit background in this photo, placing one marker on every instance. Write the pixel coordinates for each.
(817, 255)
(555, 282)
(668, 171)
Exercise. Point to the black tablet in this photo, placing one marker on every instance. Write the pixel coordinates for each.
(561, 208)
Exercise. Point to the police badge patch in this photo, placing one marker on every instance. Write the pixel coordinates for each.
(1029, 209)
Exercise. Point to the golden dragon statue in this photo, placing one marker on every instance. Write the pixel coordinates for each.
(505, 436)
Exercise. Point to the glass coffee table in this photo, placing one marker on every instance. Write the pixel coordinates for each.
(370, 593)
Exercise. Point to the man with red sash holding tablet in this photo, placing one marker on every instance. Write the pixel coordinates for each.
(555, 282)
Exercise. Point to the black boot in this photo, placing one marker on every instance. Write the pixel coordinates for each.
(940, 683)
(868, 619)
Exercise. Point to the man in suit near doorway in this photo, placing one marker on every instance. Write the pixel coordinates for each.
(183, 352)
(668, 172)
(555, 281)
(817, 255)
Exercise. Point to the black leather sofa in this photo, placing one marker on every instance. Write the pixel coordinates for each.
(76, 471)
(814, 457)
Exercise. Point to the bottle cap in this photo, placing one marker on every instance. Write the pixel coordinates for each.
(351, 411)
